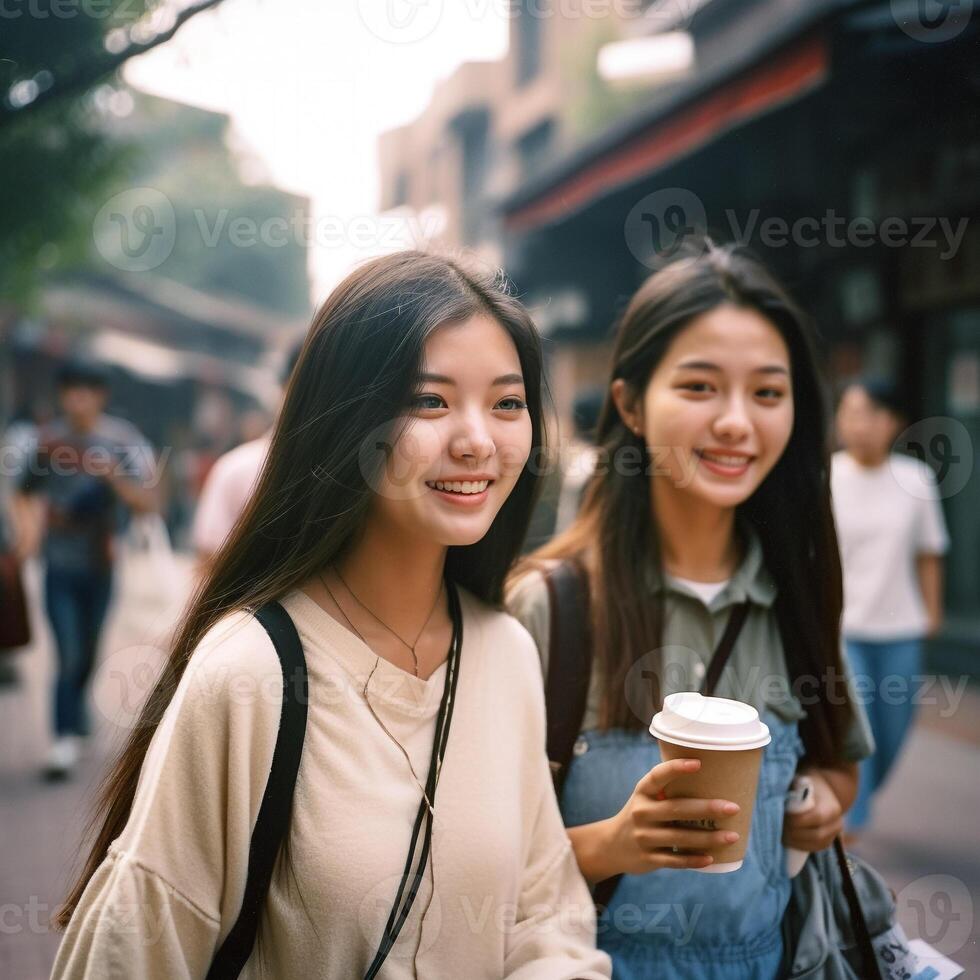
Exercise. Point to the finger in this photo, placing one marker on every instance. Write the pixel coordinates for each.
(815, 839)
(689, 840)
(668, 859)
(816, 817)
(683, 808)
(653, 783)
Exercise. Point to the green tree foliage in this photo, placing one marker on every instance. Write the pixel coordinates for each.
(55, 159)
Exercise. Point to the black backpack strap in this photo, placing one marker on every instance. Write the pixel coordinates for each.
(604, 890)
(569, 663)
(736, 620)
(272, 823)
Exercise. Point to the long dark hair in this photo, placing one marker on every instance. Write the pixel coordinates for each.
(358, 368)
(615, 538)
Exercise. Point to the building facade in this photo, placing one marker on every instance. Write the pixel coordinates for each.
(838, 140)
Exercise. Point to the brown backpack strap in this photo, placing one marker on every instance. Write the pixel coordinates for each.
(569, 663)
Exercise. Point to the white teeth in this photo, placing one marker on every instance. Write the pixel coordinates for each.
(725, 460)
(466, 486)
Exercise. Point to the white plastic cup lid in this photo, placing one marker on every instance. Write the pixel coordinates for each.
(694, 721)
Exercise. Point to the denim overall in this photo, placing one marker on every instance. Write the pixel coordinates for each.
(682, 924)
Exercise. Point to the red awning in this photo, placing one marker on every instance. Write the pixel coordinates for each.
(784, 77)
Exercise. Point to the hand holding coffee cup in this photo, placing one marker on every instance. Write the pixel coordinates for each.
(651, 829)
(727, 738)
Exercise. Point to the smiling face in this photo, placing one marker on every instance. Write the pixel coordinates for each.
(717, 412)
(467, 438)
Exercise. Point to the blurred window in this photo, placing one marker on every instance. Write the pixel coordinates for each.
(534, 148)
(401, 189)
(527, 24)
(474, 143)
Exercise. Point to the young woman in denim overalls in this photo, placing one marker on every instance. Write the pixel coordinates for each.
(711, 489)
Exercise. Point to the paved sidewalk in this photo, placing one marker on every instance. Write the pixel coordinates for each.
(43, 822)
(924, 839)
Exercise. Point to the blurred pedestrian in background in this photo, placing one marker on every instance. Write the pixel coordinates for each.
(87, 470)
(892, 538)
(229, 485)
(16, 446)
(579, 456)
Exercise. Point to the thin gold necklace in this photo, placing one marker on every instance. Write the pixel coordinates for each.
(375, 616)
(374, 714)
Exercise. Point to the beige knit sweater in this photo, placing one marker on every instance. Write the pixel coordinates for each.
(508, 900)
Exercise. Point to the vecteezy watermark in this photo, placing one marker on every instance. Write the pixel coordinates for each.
(408, 21)
(135, 231)
(671, 668)
(123, 681)
(143, 923)
(32, 917)
(666, 222)
(668, 920)
(939, 909)
(398, 459)
(833, 230)
(125, 677)
(663, 223)
(945, 446)
(135, 462)
(401, 21)
(385, 232)
(377, 904)
(932, 21)
(119, 11)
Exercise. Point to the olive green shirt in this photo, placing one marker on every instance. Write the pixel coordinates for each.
(756, 672)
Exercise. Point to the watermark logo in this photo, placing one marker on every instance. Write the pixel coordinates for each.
(400, 21)
(393, 458)
(124, 680)
(135, 231)
(939, 909)
(945, 446)
(377, 904)
(671, 15)
(932, 21)
(660, 672)
(662, 223)
(833, 230)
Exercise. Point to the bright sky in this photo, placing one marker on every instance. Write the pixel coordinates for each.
(310, 84)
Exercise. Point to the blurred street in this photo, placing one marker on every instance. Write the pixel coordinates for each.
(923, 839)
(43, 822)
(226, 231)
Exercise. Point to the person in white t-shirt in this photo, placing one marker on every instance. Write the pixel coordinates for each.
(227, 488)
(892, 537)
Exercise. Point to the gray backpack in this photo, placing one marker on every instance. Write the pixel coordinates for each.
(841, 925)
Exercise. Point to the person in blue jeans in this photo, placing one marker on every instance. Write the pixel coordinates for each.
(88, 469)
(711, 490)
(892, 537)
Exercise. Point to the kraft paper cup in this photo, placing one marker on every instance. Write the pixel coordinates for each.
(728, 737)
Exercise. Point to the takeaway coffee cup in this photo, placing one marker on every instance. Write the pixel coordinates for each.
(728, 737)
